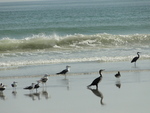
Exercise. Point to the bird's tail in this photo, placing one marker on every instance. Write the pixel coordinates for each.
(89, 86)
(58, 73)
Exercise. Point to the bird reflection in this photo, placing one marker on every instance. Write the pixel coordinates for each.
(98, 93)
(118, 83)
(38, 95)
(14, 93)
(65, 82)
(31, 95)
(2, 96)
(45, 94)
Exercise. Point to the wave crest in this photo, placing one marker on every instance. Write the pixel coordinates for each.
(42, 41)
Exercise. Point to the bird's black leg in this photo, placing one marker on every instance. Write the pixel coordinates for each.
(96, 86)
(135, 64)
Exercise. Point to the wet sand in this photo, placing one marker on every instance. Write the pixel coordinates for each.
(129, 94)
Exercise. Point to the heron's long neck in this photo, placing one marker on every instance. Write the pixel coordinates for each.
(138, 55)
(100, 74)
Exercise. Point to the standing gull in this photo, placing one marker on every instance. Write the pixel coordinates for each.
(97, 80)
(44, 79)
(14, 85)
(63, 72)
(2, 87)
(118, 75)
(37, 85)
(30, 87)
(135, 58)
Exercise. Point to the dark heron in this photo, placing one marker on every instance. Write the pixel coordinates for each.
(64, 71)
(118, 75)
(135, 58)
(97, 80)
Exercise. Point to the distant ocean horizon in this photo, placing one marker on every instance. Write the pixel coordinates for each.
(45, 32)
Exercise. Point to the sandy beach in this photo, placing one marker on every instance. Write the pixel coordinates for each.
(129, 94)
(39, 37)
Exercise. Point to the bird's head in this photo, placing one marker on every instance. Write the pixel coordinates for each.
(138, 52)
(101, 70)
(45, 75)
(68, 66)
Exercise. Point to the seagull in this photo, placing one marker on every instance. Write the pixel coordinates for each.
(97, 80)
(136, 58)
(64, 71)
(118, 75)
(44, 79)
(30, 87)
(37, 85)
(14, 85)
(2, 87)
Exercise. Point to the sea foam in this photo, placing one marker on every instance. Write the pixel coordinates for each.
(41, 41)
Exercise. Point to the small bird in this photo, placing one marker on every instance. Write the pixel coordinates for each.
(118, 75)
(2, 87)
(44, 79)
(97, 80)
(14, 85)
(37, 85)
(30, 87)
(64, 71)
(135, 58)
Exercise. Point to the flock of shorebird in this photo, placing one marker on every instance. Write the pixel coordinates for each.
(44, 79)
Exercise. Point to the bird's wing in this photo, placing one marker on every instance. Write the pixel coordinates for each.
(134, 59)
(63, 71)
(95, 81)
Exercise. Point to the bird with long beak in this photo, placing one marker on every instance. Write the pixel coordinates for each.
(97, 80)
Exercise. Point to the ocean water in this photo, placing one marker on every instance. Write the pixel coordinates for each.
(61, 32)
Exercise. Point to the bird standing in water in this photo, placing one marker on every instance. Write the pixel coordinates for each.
(44, 79)
(135, 58)
(37, 85)
(97, 80)
(30, 87)
(64, 71)
(118, 75)
(14, 85)
(2, 87)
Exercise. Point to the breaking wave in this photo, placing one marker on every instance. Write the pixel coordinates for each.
(42, 41)
(70, 60)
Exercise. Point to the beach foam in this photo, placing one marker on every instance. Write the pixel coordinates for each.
(75, 41)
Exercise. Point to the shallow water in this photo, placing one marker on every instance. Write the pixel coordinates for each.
(130, 91)
(71, 95)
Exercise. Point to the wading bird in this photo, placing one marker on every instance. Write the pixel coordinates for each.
(64, 71)
(97, 80)
(30, 87)
(2, 87)
(118, 75)
(135, 58)
(37, 85)
(44, 79)
(14, 85)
